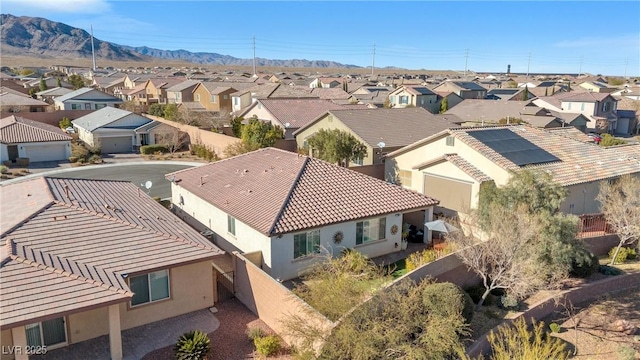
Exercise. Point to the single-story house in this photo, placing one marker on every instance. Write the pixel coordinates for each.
(380, 130)
(290, 207)
(49, 94)
(23, 138)
(15, 103)
(454, 164)
(85, 99)
(86, 258)
(115, 130)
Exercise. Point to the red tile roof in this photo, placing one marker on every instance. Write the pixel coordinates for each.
(298, 112)
(72, 238)
(15, 129)
(276, 191)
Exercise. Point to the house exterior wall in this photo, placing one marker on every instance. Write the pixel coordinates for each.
(581, 199)
(202, 95)
(6, 339)
(241, 102)
(447, 169)
(577, 107)
(261, 113)
(4, 152)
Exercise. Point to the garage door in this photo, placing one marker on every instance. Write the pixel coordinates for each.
(453, 194)
(48, 152)
(121, 144)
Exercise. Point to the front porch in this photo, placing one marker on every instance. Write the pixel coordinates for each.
(138, 341)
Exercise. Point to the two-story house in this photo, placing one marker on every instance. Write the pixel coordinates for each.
(181, 92)
(85, 99)
(414, 96)
(216, 96)
(156, 89)
(599, 108)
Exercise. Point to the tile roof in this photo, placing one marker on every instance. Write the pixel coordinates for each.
(104, 117)
(330, 93)
(11, 98)
(216, 87)
(298, 112)
(276, 192)
(394, 127)
(467, 167)
(183, 85)
(85, 95)
(57, 91)
(580, 161)
(89, 231)
(488, 110)
(15, 129)
(74, 93)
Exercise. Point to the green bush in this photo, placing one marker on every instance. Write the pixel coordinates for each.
(555, 328)
(3, 169)
(73, 159)
(624, 254)
(202, 151)
(267, 345)
(417, 259)
(610, 140)
(95, 150)
(509, 302)
(518, 342)
(609, 270)
(255, 332)
(95, 159)
(65, 123)
(586, 267)
(152, 149)
(193, 345)
(437, 293)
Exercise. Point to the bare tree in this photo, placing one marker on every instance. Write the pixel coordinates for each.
(505, 258)
(172, 138)
(620, 201)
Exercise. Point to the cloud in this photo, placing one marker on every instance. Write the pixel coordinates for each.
(29, 7)
(116, 26)
(600, 42)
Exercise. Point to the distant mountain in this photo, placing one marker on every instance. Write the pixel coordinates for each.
(27, 36)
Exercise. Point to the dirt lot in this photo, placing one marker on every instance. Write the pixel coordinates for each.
(598, 335)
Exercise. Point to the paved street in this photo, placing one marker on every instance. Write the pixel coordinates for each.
(138, 173)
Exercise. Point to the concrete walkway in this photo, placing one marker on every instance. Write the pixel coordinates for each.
(138, 341)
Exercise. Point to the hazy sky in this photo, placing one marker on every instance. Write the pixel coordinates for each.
(599, 37)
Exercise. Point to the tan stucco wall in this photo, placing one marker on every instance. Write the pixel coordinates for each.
(88, 325)
(191, 290)
(205, 98)
(583, 199)
(7, 340)
(261, 113)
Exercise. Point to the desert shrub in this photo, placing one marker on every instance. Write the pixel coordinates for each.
(65, 123)
(95, 159)
(202, 151)
(82, 160)
(3, 169)
(609, 270)
(476, 292)
(417, 259)
(79, 151)
(95, 150)
(555, 328)
(193, 345)
(73, 159)
(459, 302)
(624, 254)
(517, 342)
(610, 140)
(509, 302)
(586, 267)
(152, 149)
(255, 332)
(267, 345)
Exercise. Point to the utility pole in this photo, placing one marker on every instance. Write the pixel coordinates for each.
(254, 56)
(580, 71)
(466, 60)
(626, 62)
(93, 51)
(528, 64)
(373, 61)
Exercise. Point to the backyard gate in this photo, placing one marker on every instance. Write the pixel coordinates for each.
(224, 282)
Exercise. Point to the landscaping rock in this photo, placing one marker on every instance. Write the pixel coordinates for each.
(624, 326)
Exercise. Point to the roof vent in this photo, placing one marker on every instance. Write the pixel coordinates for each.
(58, 218)
(245, 171)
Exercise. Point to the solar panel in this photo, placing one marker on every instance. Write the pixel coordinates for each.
(512, 146)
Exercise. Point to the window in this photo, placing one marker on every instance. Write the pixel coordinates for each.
(371, 230)
(404, 99)
(76, 107)
(357, 161)
(231, 225)
(404, 176)
(149, 287)
(236, 101)
(87, 106)
(213, 98)
(582, 107)
(451, 141)
(46, 333)
(569, 106)
(606, 106)
(306, 243)
(197, 97)
(100, 106)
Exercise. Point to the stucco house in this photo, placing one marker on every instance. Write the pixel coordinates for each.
(23, 138)
(380, 130)
(85, 99)
(216, 96)
(13, 102)
(415, 96)
(181, 92)
(455, 164)
(88, 258)
(464, 89)
(115, 130)
(156, 89)
(599, 108)
(290, 207)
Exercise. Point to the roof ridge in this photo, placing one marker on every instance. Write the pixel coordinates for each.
(24, 221)
(44, 266)
(296, 182)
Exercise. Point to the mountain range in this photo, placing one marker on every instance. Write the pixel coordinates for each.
(31, 36)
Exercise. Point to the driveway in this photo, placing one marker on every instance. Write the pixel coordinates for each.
(136, 172)
(45, 166)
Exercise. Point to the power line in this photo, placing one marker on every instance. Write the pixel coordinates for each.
(466, 59)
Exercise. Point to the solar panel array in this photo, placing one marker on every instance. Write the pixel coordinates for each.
(513, 147)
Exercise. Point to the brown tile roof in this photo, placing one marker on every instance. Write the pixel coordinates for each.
(330, 93)
(71, 239)
(276, 192)
(580, 161)
(7, 99)
(394, 127)
(216, 87)
(488, 110)
(298, 112)
(467, 167)
(15, 129)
